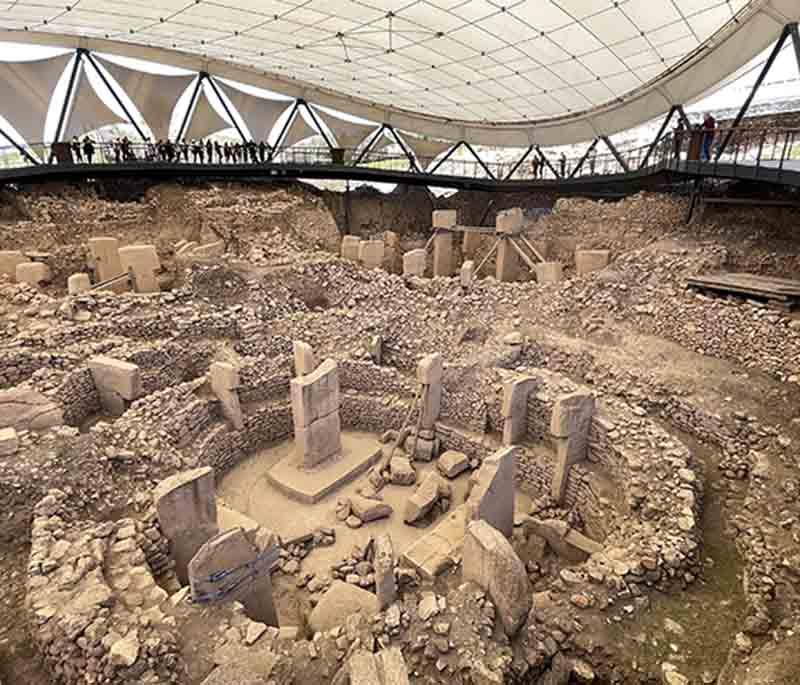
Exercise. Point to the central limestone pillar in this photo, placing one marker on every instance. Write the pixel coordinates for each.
(315, 410)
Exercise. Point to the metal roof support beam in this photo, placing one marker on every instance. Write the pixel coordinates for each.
(519, 163)
(616, 154)
(547, 162)
(586, 154)
(480, 161)
(27, 155)
(62, 118)
(682, 114)
(796, 41)
(113, 92)
(190, 108)
(226, 108)
(317, 123)
(787, 30)
(660, 133)
(366, 150)
(446, 157)
(294, 111)
(412, 162)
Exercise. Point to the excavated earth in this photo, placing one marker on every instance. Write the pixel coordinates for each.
(704, 391)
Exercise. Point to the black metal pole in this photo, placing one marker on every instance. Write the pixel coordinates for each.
(682, 115)
(369, 145)
(767, 67)
(27, 155)
(226, 108)
(796, 40)
(657, 139)
(480, 161)
(586, 154)
(114, 93)
(286, 124)
(70, 87)
(547, 162)
(446, 157)
(616, 154)
(405, 150)
(519, 163)
(317, 123)
(190, 109)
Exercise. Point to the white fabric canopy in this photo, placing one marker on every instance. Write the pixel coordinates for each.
(26, 89)
(205, 119)
(348, 134)
(425, 149)
(299, 130)
(155, 95)
(87, 112)
(260, 114)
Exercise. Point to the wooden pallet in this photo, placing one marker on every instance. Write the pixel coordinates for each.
(781, 292)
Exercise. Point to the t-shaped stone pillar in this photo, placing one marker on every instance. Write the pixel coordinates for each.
(186, 506)
(304, 362)
(443, 221)
(429, 375)
(570, 424)
(315, 410)
(228, 567)
(515, 409)
(141, 261)
(104, 259)
(117, 382)
(224, 384)
(370, 253)
(492, 497)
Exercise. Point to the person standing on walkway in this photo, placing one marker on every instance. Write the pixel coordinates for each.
(76, 150)
(88, 149)
(563, 163)
(709, 129)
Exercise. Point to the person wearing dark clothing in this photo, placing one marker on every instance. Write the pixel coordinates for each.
(592, 164)
(76, 150)
(88, 149)
(677, 142)
(210, 151)
(563, 163)
(709, 128)
(535, 167)
(218, 149)
(185, 150)
(262, 152)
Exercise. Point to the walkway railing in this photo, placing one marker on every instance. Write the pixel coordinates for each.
(755, 148)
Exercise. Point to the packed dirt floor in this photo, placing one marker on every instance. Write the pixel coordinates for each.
(706, 387)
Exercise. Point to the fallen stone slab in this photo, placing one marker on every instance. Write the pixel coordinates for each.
(490, 561)
(385, 584)
(387, 667)
(27, 409)
(438, 549)
(452, 463)
(402, 472)
(369, 509)
(9, 441)
(562, 539)
(423, 499)
(235, 674)
(340, 601)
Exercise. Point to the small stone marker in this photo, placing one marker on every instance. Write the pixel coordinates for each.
(467, 273)
(385, 585)
(350, 247)
(9, 441)
(414, 263)
(549, 272)
(78, 283)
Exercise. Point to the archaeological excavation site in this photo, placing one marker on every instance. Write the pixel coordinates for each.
(373, 343)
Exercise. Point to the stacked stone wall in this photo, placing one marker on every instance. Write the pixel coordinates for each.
(369, 378)
(78, 397)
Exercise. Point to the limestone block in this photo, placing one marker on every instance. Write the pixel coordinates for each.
(340, 601)
(369, 509)
(563, 540)
(224, 384)
(248, 578)
(78, 283)
(383, 562)
(26, 409)
(9, 441)
(370, 253)
(320, 440)
(376, 349)
(393, 666)
(445, 218)
(9, 260)
(143, 263)
(492, 498)
(315, 395)
(507, 264)
(452, 463)
(304, 362)
(515, 409)
(509, 221)
(572, 416)
(430, 369)
(115, 375)
(401, 471)
(443, 254)
(490, 562)
(423, 499)
(186, 507)
(587, 261)
(387, 667)
(104, 255)
(549, 272)
(467, 273)
(350, 247)
(33, 273)
(414, 263)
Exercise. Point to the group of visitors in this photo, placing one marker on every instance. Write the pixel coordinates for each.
(703, 133)
(196, 151)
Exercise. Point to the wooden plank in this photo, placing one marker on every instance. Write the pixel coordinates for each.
(749, 201)
(754, 282)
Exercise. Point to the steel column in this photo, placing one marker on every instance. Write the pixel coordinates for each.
(27, 155)
(616, 154)
(294, 111)
(586, 154)
(226, 108)
(787, 30)
(796, 40)
(519, 163)
(657, 139)
(547, 162)
(480, 161)
(190, 109)
(70, 88)
(321, 130)
(114, 93)
(365, 151)
(405, 150)
(446, 157)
